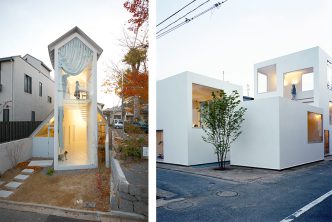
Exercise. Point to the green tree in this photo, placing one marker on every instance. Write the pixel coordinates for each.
(221, 119)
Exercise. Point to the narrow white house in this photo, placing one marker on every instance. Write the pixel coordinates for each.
(72, 131)
(290, 121)
(179, 132)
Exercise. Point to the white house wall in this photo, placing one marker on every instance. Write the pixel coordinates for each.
(199, 151)
(294, 147)
(6, 80)
(172, 115)
(258, 145)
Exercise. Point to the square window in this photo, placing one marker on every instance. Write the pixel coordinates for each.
(308, 81)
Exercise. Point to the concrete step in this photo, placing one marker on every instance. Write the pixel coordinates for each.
(13, 185)
(21, 177)
(5, 193)
(28, 171)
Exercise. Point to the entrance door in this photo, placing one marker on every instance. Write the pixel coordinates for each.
(326, 142)
(160, 144)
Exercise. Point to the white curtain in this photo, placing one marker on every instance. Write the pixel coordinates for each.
(73, 58)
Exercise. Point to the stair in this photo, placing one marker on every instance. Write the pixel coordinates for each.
(84, 111)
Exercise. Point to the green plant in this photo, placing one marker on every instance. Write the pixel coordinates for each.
(50, 171)
(221, 118)
(132, 147)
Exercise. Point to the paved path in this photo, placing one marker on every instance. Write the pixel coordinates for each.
(20, 216)
(267, 199)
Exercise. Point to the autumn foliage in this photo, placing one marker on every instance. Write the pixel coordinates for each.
(139, 10)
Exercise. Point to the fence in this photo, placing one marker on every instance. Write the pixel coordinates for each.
(16, 130)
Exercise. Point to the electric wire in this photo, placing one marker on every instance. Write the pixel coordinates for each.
(216, 5)
(183, 16)
(176, 12)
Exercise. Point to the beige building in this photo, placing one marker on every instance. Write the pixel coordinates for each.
(26, 89)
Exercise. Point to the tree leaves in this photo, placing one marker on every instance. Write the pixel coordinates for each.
(221, 121)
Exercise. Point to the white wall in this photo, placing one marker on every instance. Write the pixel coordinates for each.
(294, 147)
(172, 102)
(25, 147)
(43, 147)
(275, 135)
(258, 145)
(24, 102)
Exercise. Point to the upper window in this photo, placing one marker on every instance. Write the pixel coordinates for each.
(49, 99)
(267, 79)
(33, 116)
(27, 84)
(307, 81)
(40, 89)
(329, 76)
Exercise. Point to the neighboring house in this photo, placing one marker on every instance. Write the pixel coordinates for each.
(280, 131)
(116, 113)
(76, 127)
(179, 132)
(26, 89)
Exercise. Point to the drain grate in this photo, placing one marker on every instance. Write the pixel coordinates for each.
(226, 194)
(180, 205)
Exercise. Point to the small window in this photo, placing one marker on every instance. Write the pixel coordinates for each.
(329, 76)
(49, 99)
(40, 89)
(27, 84)
(262, 83)
(5, 115)
(330, 111)
(33, 116)
(308, 81)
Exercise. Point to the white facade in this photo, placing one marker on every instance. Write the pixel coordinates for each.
(276, 128)
(182, 142)
(13, 96)
(74, 57)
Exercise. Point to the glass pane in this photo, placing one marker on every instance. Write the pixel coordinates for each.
(315, 128)
(307, 81)
(262, 83)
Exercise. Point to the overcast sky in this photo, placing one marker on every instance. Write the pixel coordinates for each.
(239, 34)
(29, 26)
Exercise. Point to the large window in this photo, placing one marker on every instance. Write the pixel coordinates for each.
(308, 81)
(329, 75)
(5, 115)
(40, 89)
(200, 95)
(267, 79)
(315, 128)
(27, 84)
(330, 111)
(262, 83)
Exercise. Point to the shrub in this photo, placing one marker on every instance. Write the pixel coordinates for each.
(132, 147)
(130, 128)
(50, 171)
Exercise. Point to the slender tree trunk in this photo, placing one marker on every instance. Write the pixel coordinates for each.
(136, 108)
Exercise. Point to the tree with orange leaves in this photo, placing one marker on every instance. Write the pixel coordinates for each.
(140, 13)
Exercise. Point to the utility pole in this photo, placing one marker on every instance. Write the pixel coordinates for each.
(223, 75)
(122, 103)
(248, 89)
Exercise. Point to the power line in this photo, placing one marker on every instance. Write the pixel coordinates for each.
(216, 5)
(176, 12)
(183, 16)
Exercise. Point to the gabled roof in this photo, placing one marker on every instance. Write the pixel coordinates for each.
(41, 62)
(67, 34)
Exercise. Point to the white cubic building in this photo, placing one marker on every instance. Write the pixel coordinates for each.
(290, 120)
(179, 132)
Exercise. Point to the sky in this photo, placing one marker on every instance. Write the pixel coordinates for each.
(239, 34)
(30, 26)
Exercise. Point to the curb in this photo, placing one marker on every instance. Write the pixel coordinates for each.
(116, 216)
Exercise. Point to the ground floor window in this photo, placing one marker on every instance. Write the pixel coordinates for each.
(5, 115)
(330, 111)
(315, 127)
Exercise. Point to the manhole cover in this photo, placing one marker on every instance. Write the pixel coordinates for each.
(226, 193)
(180, 205)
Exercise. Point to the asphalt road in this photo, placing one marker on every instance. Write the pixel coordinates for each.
(255, 201)
(20, 216)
